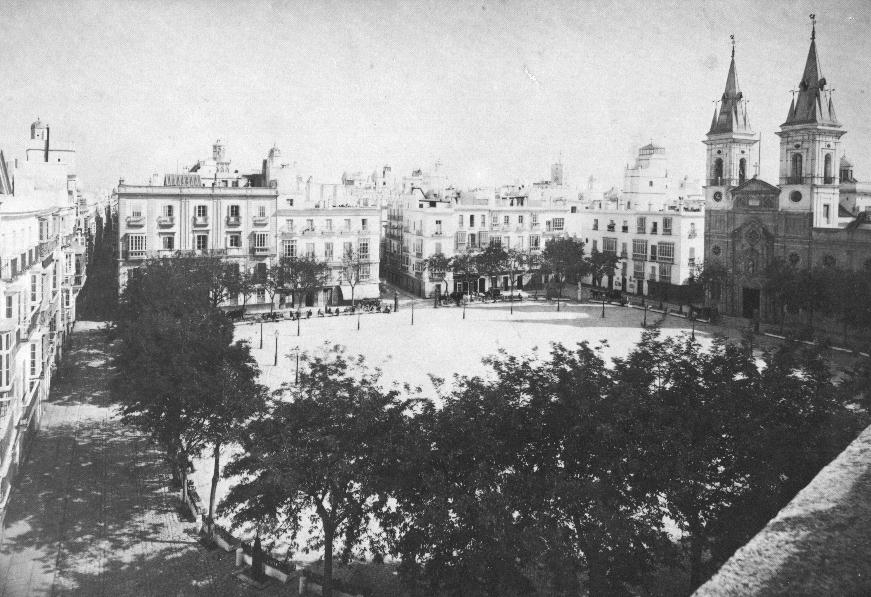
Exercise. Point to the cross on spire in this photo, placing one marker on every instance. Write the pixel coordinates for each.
(813, 26)
(732, 37)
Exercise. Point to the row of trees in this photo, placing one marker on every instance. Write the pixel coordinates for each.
(562, 258)
(180, 377)
(563, 464)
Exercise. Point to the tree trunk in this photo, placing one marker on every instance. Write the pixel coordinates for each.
(216, 474)
(183, 467)
(597, 577)
(327, 588)
(696, 576)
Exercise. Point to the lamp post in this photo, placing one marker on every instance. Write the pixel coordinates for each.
(358, 321)
(693, 320)
(645, 317)
(465, 300)
(261, 335)
(297, 325)
(412, 311)
(603, 308)
(295, 350)
(275, 363)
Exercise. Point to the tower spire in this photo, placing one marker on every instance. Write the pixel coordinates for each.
(809, 103)
(732, 117)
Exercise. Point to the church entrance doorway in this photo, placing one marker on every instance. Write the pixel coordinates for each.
(750, 302)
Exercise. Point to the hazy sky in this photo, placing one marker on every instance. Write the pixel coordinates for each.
(494, 90)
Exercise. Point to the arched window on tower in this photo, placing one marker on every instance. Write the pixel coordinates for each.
(742, 170)
(827, 170)
(795, 175)
(718, 171)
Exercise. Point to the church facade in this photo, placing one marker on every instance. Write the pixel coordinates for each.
(803, 219)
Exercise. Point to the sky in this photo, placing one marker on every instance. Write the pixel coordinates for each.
(494, 91)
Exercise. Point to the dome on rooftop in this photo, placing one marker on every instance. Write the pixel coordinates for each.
(845, 163)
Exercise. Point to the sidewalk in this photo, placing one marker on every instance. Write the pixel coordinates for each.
(92, 513)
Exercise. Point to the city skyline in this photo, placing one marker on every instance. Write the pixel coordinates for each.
(494, 91)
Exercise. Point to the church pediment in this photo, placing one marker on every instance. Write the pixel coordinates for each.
(755, 194)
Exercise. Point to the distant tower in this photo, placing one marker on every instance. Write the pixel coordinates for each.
(38, 130)
(219, 152)
(809, 147)
(556, 173)
(730, 143)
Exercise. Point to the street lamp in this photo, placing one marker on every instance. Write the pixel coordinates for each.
(603, 308)
(295, 350)
(465, 300)
(358, 321)
(275, 363)
(645, 317)
(412, 311)
(297, 322)
(261, 334)
(693, 320)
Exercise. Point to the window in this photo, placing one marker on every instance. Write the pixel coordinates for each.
(202, 242)
(666, 252)
(34, 287)
(641, 225)
(625, 227)
(639, 250)
(595, 245)
(310, 224)
(653, 252)
(692, 233)
(471, 220)
(234, 213)
(167, 211)
(135, 211)
(310, 250)
(623, 251)
(9, 311)
(638, 270)
(742, 170)
(136, 243)
(506, 220)
(289, 248)
(664, 272)
(348, 249)
(363, 248)
(438, 226)
(234, 241)
(653, 227)
(827, 215)
(289, 224)
(796, 168)
(328, 251)
(260, 240)
(329, 224)
(692, 261)
(261, 211)
(718, 171)
(474, 239)
(201, 211)
(461, 220)
(595, 223)
(168, 243)
(460, 240)
(347, 223)
(261, 295)
(534, 221)
(558, 223)
(364, 224)
(33, 359)
(438, 248)
(519, 219)
(609, 245)
(365, 271)
(827, 170)
(650, 183)
(506, 242)
(483, 220)
(666, 226)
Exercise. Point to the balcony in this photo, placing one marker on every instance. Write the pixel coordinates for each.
(259, 220)
(233, 221)
(201, 221)
(623, 255)
(436, 276)
(46, 248)
(624, 229)
(135, 221)
(611, 228)
(260, 251)
(165, 221)
(133, 255)
(639, 257)
(666, 231)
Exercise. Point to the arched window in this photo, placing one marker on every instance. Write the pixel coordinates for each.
(718, 171)
(795, 177)
(742, 171)
(827, 170)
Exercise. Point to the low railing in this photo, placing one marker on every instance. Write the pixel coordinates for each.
(233, 221)
(166, 221)
(259, 220)
(201, 220)
(135, 221)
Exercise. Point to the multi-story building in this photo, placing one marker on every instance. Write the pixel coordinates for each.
(655, 226)
(815, 216)
(42, 268)
(427, 221)
(253, 220)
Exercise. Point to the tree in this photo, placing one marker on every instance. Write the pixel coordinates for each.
(563, 258)
(319, 449)
(816, 285)
(301, 275)
(465, 267)
(238, 399)
(354, 268)
(492, 262)
(712, 277)
(245, 285)
(436, 265)
(172, 351)
(601, 264)
(272, 282)
(515, 262)
(781, 284)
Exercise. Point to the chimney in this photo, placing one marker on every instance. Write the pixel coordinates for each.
(47, 137)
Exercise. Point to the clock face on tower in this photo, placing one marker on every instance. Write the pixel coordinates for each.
(718, 196)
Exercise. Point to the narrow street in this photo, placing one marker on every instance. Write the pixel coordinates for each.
(92, 512)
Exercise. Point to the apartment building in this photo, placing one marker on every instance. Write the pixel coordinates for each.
(655, 226)
(253, 220)
(423, 222)
(43, 266)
